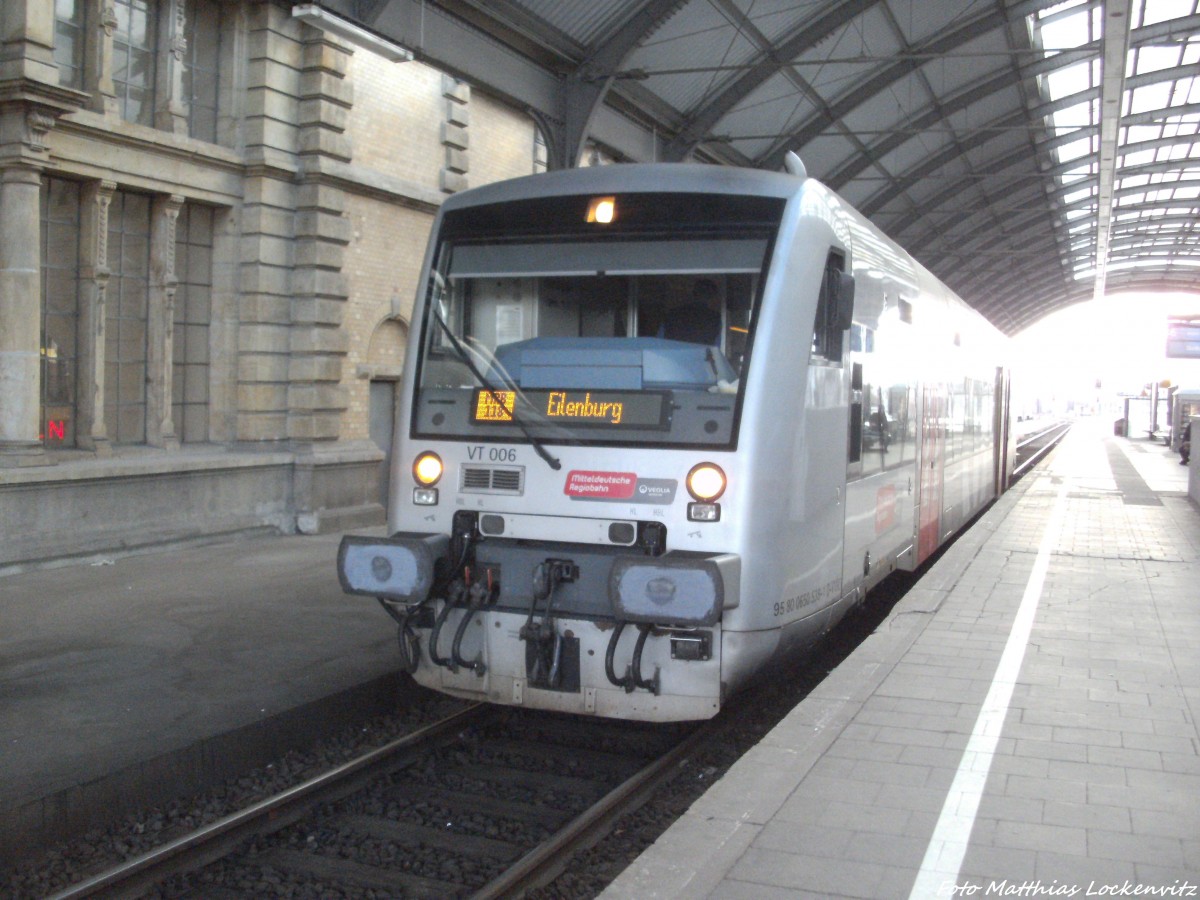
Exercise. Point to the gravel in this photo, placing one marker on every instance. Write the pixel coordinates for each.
(65, 864)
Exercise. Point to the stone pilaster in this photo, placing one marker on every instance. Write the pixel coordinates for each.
(160, 338)
(20, 311)
(90, 431)
(27, 41)
(455, 135)
(28, 111)
(98, 75)
(318, 343)
(267, 225)
(171, 112)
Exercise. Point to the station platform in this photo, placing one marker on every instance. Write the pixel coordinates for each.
(126, 681)
(1024, 723)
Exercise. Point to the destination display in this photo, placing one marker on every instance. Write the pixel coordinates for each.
(1183, 338)
(599, 409)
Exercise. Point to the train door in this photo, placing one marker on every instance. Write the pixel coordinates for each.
(1002, 457)
(931, 484)
(854, 534)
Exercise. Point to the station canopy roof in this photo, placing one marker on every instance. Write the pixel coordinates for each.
(1031, 154)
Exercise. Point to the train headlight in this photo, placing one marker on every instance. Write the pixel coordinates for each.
(706, 482)
(427, 469)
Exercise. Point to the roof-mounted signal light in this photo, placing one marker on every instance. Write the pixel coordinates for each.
(602, 210)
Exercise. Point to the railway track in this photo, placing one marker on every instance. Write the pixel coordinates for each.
(1034, 445)
(486, 803)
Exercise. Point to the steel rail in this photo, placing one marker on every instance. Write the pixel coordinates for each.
(1021, 468)
(214, 840)
(540, 865)
(1025, 440)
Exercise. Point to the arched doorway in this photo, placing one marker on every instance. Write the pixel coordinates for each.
(385, 365)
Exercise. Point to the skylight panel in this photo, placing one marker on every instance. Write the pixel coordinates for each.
(1069, 80)
(1136, 134)
(1075, 116)
(1139, 158)
(1149, 97)
(1164, 10)
(1075, 149)
(1155, 59)
(1061, 30)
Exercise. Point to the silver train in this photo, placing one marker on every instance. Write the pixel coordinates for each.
(662, 425)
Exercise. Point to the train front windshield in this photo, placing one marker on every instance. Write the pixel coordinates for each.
(613, 338)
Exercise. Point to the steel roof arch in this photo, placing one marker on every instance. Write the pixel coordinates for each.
(974, 142)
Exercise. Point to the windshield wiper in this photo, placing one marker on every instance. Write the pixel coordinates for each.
(466, 358)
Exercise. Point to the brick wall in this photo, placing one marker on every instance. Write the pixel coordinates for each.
(501, 141)
(395, 123)
(387, 246)
(397, 131)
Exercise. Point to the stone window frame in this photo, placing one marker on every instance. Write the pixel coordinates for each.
(202, 69)
(127, 316)
(138, 41)
(191, 386)
(167, 87)
(93, 430)
(75, 26)
(58, 400)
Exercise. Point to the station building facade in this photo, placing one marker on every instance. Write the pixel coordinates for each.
(212, 217)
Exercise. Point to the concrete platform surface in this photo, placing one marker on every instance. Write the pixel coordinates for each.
(1024, 724)
(133, 679)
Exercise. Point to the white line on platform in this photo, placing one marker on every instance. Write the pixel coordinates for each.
(948, 845)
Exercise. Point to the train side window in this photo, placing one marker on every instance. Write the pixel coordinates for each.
(885, 427)
(856, 412)
(835, 308)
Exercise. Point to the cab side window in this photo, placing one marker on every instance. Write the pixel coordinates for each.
(834, 307)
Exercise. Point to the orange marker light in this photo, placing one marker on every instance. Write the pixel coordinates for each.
(427, 469)
(706, 482)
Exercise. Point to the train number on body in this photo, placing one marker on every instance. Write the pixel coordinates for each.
(492, 454)
(816, 597)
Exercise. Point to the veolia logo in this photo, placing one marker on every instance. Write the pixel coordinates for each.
(654, 490)
(381, 568)
(660, 590)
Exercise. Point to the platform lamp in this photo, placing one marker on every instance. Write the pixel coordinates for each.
(314, 14)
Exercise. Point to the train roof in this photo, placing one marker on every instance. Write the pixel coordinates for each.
(632, 178)
(870, 247)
